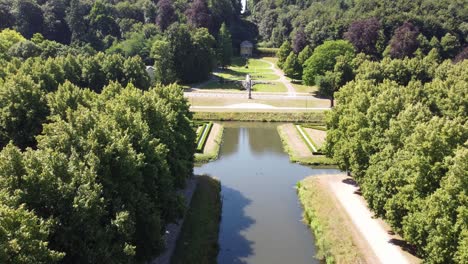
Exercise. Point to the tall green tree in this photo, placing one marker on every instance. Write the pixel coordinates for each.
(283, 53)
(224, 44)
(324, 58)
(23, 109)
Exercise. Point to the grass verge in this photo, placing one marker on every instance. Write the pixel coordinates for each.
(314, 160)
(198, 240)
(328, 222)
(211, 153)
(317, 118)
(201, 141)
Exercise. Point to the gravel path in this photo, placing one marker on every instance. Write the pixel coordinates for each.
(372, 231)
(173, 230)
(254, 106)
(282, 79)
(295, 142)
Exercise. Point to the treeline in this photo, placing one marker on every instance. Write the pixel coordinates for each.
(182, 39)
(400, 127)
(318, 21)
(91, 159)
(100, 23)
(331, 64)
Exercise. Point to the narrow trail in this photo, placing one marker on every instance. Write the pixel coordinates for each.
(282, 79)
(374, 233)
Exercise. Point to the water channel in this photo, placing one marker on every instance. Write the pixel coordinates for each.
(261, 215)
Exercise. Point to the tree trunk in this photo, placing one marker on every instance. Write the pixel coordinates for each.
(332, 101)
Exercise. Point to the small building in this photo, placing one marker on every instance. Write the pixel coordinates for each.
(246, 48)
(150, 71)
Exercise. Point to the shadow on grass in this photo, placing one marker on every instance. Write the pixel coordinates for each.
(234, 246)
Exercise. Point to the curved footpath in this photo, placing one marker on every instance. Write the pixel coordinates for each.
(372, 230)
(282, 79)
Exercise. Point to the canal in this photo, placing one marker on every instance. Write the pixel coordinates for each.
(261, 215)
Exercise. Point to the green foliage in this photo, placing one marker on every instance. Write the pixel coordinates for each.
(283, 53)
(324, 58)
(185, 55)
(92, 180)
(304, 55)
(23, 236)
(23, 109)
(224, 46)
(291, 67)
(400, 128)
(8, 38)
(368, 24)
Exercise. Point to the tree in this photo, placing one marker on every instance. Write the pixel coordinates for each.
(8, 38)
(102, 21)
(304, 55)
(364, 34)
(204, 57)
(199, 15)
(292, 67)
(165, 14)
(450, 45)
(332, 81)
(24, 236)
(135, 73)
(7, 19)
(283, 53)
(23, 110)
(463, 55)
(224, 46)
(76, 19)
(55, 25)
(324, 58)
(404, 42)
(29, 17)
(164, 68)
(24, 49)
(300, 41)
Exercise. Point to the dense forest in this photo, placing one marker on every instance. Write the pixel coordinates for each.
(94, 151)
(400, 127)
(181, 38)
(398, 72)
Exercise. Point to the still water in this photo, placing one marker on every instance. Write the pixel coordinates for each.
(261, 216)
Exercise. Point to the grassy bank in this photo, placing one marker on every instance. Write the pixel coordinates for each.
(328, 222)
(314, 160)
(212, 145)
(317, 117)
(198, 240)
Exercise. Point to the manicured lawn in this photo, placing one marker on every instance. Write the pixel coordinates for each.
(273, 87)
(301, 88)
(273, 60)
(221, 86)
(258, 63)
(198, 240)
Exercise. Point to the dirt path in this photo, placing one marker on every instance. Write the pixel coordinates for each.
(295, 142)
(372, 232)
(256, 106)
(282, 79)
(173, 230)
(211, 143)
